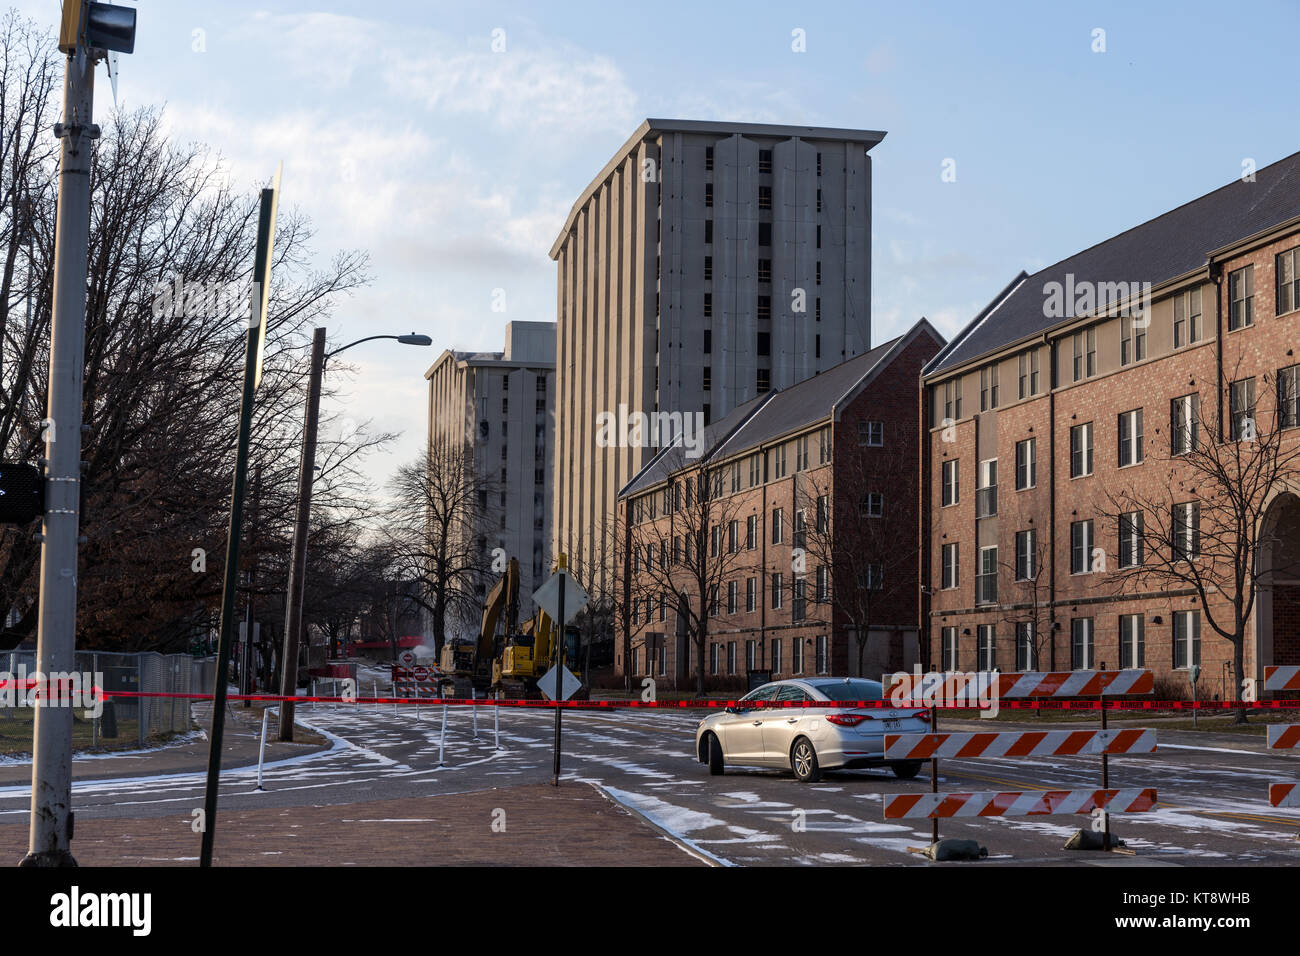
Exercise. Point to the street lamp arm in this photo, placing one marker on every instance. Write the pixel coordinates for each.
(411, 339)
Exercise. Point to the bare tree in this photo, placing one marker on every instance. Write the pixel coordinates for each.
(171, 250)
(871, 555)
(1030, 614)
(436, 528)
(1203, 529)
(685, 551)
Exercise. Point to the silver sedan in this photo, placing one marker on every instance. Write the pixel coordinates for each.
(809, 739)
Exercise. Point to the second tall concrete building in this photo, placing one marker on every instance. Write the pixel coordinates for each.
(706, 264)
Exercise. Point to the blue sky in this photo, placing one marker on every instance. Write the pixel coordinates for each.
(405, 134)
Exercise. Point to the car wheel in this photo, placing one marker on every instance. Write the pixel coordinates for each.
(906, 769)
(715, 756)
(803, 761)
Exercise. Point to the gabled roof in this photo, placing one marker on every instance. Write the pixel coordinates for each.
(1175, 244)
(781, 412)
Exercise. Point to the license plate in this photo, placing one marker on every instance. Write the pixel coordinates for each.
(893, 724)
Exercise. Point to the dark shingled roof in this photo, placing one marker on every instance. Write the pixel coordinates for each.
(1171, 245)
(776, 413)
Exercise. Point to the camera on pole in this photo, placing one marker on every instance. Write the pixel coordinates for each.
(97, 26)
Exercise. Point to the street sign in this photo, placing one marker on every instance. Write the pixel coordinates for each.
(568, 686)
(547, 597)
(407, 658)
(422, 674)
(22, 493)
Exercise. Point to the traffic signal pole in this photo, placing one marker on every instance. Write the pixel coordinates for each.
(51, 817)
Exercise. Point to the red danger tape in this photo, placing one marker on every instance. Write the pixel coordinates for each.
(637, 704)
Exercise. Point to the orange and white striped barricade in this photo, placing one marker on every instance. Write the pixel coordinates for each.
(1018, 803)
(1284, 737)
(971, 689)
(1281, 677)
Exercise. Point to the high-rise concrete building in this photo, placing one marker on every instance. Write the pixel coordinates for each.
(706, 264)
(501, 405)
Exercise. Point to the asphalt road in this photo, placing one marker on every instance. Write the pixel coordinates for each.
(1212, 790)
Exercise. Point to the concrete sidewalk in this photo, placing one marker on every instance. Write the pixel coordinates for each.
(533, 825)
(240, 744)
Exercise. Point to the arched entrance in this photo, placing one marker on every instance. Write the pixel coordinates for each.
(1277, 612)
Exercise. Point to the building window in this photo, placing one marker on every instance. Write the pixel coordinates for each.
(775, 657)
(751, 594)
(1288, 396)
(800, 528)
(1241, 407)
(950, 566)
(799, 602)
(801, 459)
(1133, 340)
(1187, 638)
(823, 585)
(706, 378)
(1081, 649)
(778, 525)
(733, 596)
(1187, 530)
(1025, 555)
(1026, 464)
(1026, 656)
(764, 311)
(951, 488)
(708, 268)
(872, 504)
(949, 641)
(751, 532)
(778, 591)
(1241, 297)
(764, 197)
(986, 648)
(823, 657)
(819, 198)
(764, 270)
(731, 657)
(1028, 373)
(1081, 450)
(986, 582)
(1081, 547)
(1288, 280)
(1132, 640)
(952, 399)
(1085, 353)
(1131, 539)
(986, 492)
(819, 272)
(824, 446)
(1130, 438)
(823, 513)
(797, 663)
(1187, 318)
(988, 387)
(763, 380)
(764, 233)
(871, 433)
(1184, 423)
(708, 195)
(708, 159)
(764, 160)
(875, 577)
(708, 314)
(713, 659)
(751, 655)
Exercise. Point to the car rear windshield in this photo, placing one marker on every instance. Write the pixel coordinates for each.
(851, 690)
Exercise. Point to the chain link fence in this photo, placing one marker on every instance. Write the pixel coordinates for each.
(146, 672)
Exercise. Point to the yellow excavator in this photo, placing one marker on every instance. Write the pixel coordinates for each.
(530, 653)
(472, 663)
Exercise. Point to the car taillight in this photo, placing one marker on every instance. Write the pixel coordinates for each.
(846, 720)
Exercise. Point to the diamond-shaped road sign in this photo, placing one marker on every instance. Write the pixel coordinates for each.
(568, 687)
(548, 597)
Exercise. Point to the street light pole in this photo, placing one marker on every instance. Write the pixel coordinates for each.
(298, 559)
(51, 808)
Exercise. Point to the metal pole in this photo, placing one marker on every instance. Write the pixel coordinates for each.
(94, 721)
(473, 695)
(298, 564)
(442, 739)
(496, 721)
(233, 540)
(559, 673)
(374, 692)
(261, 752)
(1105, 764)
(246, 662)
(934, 775)
(50, 835)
